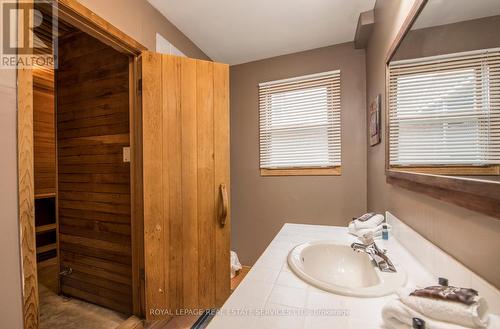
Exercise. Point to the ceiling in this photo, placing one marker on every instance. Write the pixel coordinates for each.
(441, 12)
(240, 31)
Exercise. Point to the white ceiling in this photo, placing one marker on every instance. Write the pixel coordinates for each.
(240, 31)
(441, 12)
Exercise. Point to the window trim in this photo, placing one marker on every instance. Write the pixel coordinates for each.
(330, 171)
(302, 171)
(487, 170)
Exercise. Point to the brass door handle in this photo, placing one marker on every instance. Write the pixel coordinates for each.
(224, 199)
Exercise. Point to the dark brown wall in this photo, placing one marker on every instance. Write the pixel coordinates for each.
(44, 139)
(451, 38)
(93, 180)
(261, 205)
(472, 238)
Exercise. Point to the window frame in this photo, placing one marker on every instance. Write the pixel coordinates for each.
(299, 170)
(438, 169)
(475, 194)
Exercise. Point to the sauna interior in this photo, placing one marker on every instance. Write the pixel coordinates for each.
(82, 183)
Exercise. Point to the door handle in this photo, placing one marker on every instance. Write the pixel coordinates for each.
(224, 199)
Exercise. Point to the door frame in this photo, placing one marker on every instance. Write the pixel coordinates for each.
(74, 13)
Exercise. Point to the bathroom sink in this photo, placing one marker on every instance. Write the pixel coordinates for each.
(337, 268)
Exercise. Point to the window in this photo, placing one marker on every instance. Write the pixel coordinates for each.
(163, 46)
(444, 111)
(300, 125)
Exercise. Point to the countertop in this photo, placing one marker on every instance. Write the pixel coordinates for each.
(271, 296)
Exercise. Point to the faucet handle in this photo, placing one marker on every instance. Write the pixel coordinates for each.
(367, 238)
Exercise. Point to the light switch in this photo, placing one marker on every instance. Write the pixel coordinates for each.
(126, 154)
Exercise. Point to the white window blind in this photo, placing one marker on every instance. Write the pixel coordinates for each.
(445, 110)
(300, 122)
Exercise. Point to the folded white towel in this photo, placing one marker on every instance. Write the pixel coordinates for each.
(235, 264)
(397, 315)
(475, 315)
(372, 222)
(377, 231)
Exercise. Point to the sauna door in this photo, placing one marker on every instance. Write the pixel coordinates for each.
(186, 183)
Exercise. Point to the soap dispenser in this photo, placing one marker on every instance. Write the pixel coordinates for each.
(385, 232)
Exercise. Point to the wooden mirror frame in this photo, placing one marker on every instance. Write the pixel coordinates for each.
(475, 194)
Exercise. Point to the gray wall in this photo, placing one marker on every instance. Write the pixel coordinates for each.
(261, 205)
(469, 35)
(139, 20)
(10, 272)
(470, 237)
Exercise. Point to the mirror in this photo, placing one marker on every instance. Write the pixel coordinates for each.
(443, 93)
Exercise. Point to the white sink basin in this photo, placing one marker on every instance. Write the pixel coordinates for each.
(339, 269)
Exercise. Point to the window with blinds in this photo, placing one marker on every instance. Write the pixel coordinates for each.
(445, 110)
(300, 122)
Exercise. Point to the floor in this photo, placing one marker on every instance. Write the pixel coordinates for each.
(59, 312)
(239, 277)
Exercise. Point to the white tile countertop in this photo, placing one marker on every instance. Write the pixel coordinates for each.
(271, 296)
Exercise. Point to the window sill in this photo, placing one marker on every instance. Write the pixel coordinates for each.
(451, 170)
(337, 171)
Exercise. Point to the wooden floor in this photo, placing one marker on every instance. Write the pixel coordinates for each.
(239, 277)
(179, 322)
(47, 274)
(57, 311)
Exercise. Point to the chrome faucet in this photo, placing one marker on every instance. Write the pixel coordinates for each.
(378, 256)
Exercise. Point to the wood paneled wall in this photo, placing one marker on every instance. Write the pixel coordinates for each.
(186, 159)
(44, 138)
(94, 182)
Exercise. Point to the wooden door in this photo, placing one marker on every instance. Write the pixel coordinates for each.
(186, 183)
(93, 180)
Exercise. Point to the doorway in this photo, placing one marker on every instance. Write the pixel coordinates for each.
(79, 170)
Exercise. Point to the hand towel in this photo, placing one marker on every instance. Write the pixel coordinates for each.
(377, 231)
(371, 223)
(397, 315)
(235, 264)
(474, 315)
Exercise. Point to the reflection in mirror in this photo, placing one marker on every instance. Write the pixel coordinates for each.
(444, 92)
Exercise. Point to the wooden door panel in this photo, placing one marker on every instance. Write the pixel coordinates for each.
(155, 240)
(190, 250)
(185, 115)
(172, 159)
(221, 158)
(205, 172)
